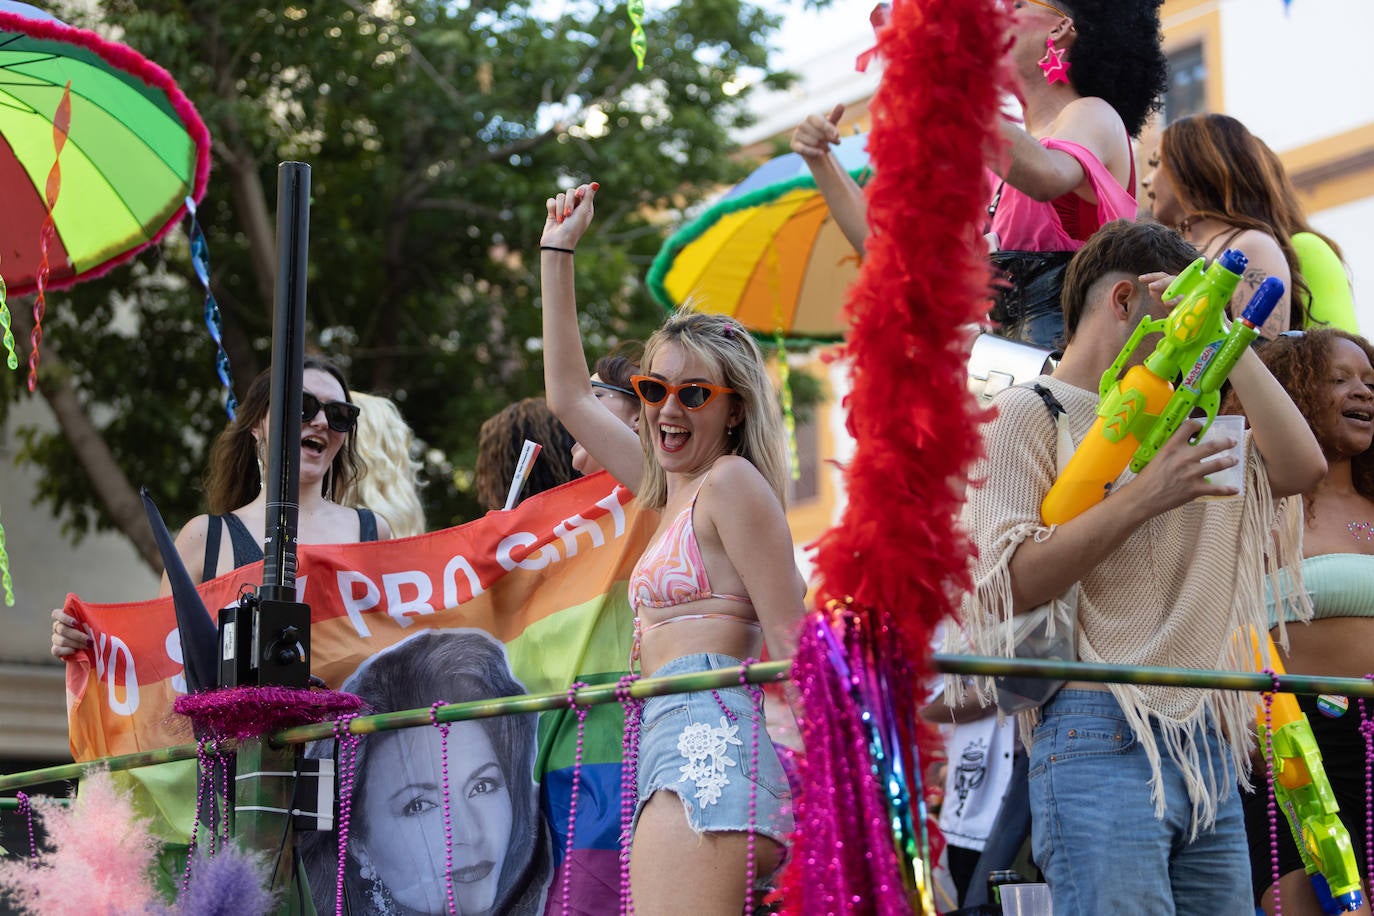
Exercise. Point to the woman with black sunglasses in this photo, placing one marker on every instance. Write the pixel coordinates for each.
(238, 461)
(717, 582)
(231, 535)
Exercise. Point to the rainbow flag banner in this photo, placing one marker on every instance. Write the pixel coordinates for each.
(546, 581)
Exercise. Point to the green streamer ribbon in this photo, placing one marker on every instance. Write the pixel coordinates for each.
(12, 359)
(5, 581)
(638, 43)
(789, 418)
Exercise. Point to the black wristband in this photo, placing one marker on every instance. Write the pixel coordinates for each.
(555, 248)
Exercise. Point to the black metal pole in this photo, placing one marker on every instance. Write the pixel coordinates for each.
(288, 358)
(264, 783)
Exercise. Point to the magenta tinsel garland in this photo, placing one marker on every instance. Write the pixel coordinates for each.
(252, 712)
(847, 862)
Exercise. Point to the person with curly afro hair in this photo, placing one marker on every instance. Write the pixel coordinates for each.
(1090, 72)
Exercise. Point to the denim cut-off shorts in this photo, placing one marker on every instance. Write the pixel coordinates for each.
(699, 746)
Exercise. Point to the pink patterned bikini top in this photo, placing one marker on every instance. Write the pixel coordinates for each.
(671, 572)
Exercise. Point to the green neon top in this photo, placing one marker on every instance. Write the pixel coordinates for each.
(1332, 304)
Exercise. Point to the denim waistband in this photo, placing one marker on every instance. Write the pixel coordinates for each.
(1077, 699)
(697, 661)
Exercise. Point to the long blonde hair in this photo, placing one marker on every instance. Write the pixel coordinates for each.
(760, 437)
(389, 487)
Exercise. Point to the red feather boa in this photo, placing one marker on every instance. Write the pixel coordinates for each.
(898, 554)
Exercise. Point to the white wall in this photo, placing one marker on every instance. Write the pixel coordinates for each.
(820, 47)
(1295, 78)
(1299, 77)
(43, 563)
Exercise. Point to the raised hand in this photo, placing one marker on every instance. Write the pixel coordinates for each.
(569, 215)
(813, 137)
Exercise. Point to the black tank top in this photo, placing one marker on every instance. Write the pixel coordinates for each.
(246, 548)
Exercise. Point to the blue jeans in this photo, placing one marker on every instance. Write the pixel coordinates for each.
(1094, 832)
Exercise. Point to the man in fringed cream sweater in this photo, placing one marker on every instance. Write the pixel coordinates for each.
(1133, 789)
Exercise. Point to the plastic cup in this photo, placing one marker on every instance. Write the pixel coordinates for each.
(1026, 900)
(1229, 426)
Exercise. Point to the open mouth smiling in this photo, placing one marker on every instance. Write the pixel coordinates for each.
(672, 438)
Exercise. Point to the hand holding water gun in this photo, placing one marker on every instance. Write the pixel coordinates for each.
(1303, 792)
(1201, 387)
(1140, 411)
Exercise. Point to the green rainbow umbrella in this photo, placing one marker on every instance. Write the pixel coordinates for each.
(768, 253)
(99, 150)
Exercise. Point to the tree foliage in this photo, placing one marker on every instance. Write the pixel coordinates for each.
(435, 131)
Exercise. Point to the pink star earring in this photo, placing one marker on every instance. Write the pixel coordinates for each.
(1053, 64)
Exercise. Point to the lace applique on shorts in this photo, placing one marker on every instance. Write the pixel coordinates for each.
(706, 751)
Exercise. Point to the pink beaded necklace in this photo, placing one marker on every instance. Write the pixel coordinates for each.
(581, 712)
(346, 745)
(1273, 805)
(26, 811)
(629, 783)
(212, 801)
(756, 698)
(1367, 730)
(448, 809)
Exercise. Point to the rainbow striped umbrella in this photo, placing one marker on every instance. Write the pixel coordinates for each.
(134, 150)
(767, 253)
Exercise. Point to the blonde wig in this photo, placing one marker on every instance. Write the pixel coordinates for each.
(389, 487)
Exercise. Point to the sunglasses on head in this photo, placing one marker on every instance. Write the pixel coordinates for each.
(607, 386)
(1047, 6)
(692, 395)
(341, 415)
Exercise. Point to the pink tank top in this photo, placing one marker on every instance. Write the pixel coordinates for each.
(1025, 224)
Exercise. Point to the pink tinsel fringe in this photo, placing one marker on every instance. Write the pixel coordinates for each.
(251, 712)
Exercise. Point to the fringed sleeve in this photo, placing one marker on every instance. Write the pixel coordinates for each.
(1270, 552)
(1003, 510)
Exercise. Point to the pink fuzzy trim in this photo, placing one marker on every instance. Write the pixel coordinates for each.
(126, 59)
(98, 858)
(251, 712)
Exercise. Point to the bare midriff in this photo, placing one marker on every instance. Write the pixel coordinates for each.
(1331, 646)
(673, 635)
